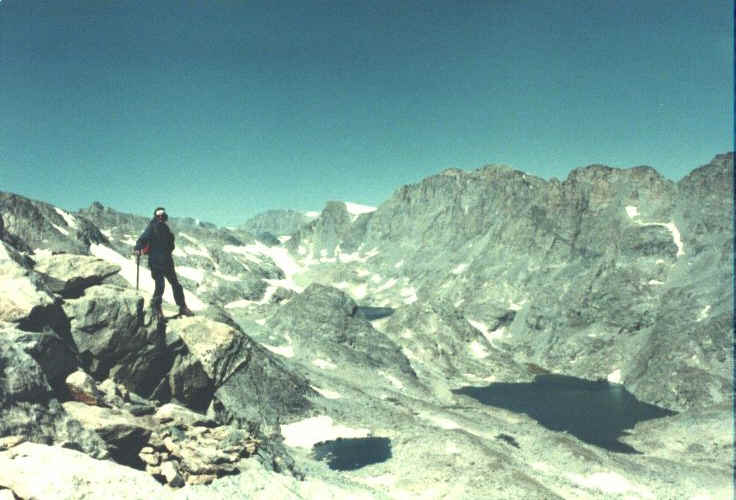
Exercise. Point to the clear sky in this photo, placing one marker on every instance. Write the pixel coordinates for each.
(220, 109)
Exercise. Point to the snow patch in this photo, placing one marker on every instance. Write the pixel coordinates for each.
(409, 354)
(70, 220)
(286, 351)
(60, 229)
(610, 482)
(394, 381)
(491, 337)
(360, 291)
(324, 364)
(478, 350)
(399, 264)
(704, 313)
(670, 226)
(191, 273)
(516, 307)
(409, 294)
(312, 213)
(441, 422)
(284, 239)
(355, 210)
(327, 393)
(279, 256)
(459, 269)
(42, 253)
(615, 377)
(389, 284)
(347, 258)
(308, 432)
(107, 233)
(226, 277)
(675, 237)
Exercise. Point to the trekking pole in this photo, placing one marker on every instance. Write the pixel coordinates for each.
(137, 268)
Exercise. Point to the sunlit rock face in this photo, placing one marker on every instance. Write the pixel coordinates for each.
(611, 269)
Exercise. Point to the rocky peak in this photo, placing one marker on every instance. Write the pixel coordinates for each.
(35, 224)
(276, 222)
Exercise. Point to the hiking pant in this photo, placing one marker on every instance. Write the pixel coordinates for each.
(158, 276)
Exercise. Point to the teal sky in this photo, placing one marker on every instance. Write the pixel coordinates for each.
(222, 109)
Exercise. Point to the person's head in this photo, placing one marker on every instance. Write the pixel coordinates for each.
(160, 214)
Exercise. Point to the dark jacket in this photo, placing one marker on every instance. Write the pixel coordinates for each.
(160, 240)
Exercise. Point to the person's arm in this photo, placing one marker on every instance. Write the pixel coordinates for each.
(144, 239)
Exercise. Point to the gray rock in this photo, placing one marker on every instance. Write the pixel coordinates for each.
(116, 338)
(33, 470)
(181, 415)
(83, 388)
(28, 406)
(323, 320)
(70, 275)
(40, 225)
(53, 355)
(171, 473)
(20, 298)
(124, 433)
(326, 232)
(249, 385)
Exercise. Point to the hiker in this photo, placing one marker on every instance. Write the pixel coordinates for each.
(158, 242)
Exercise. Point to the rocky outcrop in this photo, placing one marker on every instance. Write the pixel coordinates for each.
(34, 470)
(124, 433)
(115, 337)
(69, 275)
(322, 321)
(28, 404)
(324, 234)
(22, 297)
(34, 224)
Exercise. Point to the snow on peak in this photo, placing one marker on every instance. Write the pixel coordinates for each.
(355, 210)
(68, 218)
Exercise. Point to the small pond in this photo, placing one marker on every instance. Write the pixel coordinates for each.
(595, 412)
(353, 453)
(371, 313)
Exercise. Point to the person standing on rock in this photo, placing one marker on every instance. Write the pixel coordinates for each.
(158, 242)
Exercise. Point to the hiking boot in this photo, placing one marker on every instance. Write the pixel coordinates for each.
(185, 311)
(156, 312)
